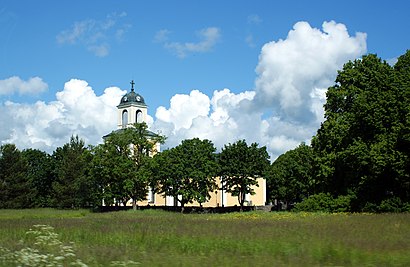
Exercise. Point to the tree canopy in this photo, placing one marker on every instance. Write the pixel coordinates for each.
(186, 172)
(290, 177)
(121, 163)
(240, 165)
(361, 145)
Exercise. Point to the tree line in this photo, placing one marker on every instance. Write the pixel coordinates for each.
(359, 159)
(77, 176)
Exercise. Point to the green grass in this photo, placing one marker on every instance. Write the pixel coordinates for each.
(157, 238)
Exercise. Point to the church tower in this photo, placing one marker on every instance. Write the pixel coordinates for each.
(132, 109)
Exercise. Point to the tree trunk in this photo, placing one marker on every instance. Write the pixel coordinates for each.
(241, 199)
(134, 204)
(182, 207)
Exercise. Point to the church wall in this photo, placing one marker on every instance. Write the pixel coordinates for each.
(217, 198)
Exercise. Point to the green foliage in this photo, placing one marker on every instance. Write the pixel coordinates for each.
(186, 172)
(324, 202)
(39, 173)
(240, 165)
(121, 165)
(290, 177)
(393, 204)
(72, 187)
(362, 146)
(15, 188)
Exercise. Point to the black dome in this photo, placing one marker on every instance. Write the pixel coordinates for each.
(132, 97)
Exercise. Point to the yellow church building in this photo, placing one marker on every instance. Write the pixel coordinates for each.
(133, 109)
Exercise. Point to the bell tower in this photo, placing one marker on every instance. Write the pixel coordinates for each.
(132, 109)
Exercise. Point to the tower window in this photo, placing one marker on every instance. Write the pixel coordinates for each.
(139, 116)
(124, 118)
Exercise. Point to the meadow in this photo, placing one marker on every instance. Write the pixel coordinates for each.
(47, 237)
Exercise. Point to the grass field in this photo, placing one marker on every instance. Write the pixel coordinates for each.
(157, 238)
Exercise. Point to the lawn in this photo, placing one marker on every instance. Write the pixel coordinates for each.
(158, 238)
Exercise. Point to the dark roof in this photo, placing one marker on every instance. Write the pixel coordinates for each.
(132, 97)
(148, 133)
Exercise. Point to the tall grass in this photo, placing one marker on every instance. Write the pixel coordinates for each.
(156, 238)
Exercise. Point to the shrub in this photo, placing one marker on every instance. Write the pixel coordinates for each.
(324, 202)
(370, 207)
(392, 204)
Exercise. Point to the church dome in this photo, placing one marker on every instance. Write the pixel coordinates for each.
(132, 97)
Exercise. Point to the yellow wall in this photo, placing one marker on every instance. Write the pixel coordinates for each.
(218, 198)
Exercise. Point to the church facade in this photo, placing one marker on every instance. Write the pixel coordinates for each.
(133, 109)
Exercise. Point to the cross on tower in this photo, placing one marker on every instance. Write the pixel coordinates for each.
(132, 85)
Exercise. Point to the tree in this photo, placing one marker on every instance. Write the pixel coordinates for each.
(290, 177)
(121, 163)
(15, 189)
(71, 187)
(186, 172)
(240, 165)
(402, 83)
(357, 146)
(40, 176)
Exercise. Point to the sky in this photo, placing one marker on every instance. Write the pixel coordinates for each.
(220, 70)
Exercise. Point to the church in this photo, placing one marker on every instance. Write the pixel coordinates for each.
(133, 109)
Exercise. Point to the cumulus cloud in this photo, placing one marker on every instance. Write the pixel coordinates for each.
(286, 106)
(208, 39)
(15, 84)
(96, 35)
(196, 115)
(290, 70)
(76, 110)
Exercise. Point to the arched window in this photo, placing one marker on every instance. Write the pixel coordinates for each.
(139, 116)
(124, 118)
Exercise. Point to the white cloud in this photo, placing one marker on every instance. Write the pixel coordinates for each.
(286, 106)
(96, 35)
(208, 39)
(76, 110)
(284, 109)
(183, 109)
(288, 70)
(14, 85)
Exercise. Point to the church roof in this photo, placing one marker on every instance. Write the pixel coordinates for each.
(148, 133)
(132, 97)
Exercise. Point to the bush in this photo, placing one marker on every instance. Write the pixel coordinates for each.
(392, 204)
(324, 202)
(370, 207)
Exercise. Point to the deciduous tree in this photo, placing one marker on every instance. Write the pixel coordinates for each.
(290, 177)
(40, 174)
(240, 165)
(122, 163)
(186, 172)
(358, 145)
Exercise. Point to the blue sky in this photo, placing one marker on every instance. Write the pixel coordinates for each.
(170, 49)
